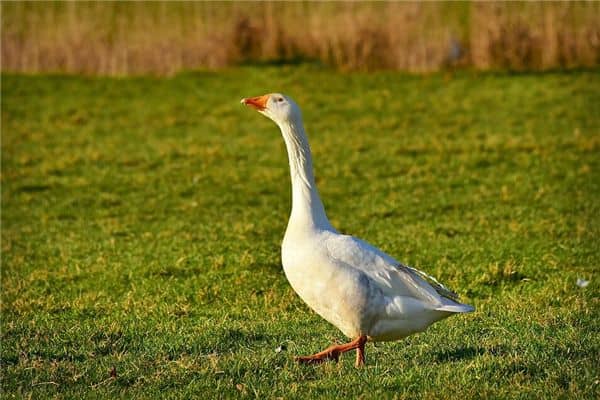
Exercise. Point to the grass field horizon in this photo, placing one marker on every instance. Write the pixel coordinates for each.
(142, 219)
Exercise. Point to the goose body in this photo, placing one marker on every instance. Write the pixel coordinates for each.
(358, 288)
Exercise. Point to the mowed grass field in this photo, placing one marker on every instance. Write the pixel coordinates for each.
(142, 219)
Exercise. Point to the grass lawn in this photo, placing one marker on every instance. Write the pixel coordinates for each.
(142, 219)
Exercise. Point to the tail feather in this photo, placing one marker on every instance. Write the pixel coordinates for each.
(456, 308)
(439, 288)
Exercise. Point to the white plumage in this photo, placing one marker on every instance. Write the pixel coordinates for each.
(358, 288)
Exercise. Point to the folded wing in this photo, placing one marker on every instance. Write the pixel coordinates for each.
(393, 278)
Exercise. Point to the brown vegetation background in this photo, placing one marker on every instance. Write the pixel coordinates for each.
(111, 38)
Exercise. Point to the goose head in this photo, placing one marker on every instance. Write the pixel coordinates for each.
(278, 107)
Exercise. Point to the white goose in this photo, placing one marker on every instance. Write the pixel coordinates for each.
(358, 288)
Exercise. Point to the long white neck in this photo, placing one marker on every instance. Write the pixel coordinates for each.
(307, 209)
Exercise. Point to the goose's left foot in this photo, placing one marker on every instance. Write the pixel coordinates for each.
(334, 352)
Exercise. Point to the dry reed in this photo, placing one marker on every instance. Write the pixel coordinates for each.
(163, 38)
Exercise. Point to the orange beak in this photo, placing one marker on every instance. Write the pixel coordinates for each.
(259, 103)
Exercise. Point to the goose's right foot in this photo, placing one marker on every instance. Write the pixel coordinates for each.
(334, 352)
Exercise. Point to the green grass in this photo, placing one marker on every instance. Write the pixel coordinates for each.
(142, 218)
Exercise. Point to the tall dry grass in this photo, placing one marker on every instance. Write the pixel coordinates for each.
(163, 38)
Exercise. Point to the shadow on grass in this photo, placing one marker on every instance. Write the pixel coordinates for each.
(467, 353)
(33, 188)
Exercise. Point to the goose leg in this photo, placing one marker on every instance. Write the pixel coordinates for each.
(360, 354)
(333, 352)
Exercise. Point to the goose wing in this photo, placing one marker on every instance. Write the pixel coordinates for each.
(392, 277)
